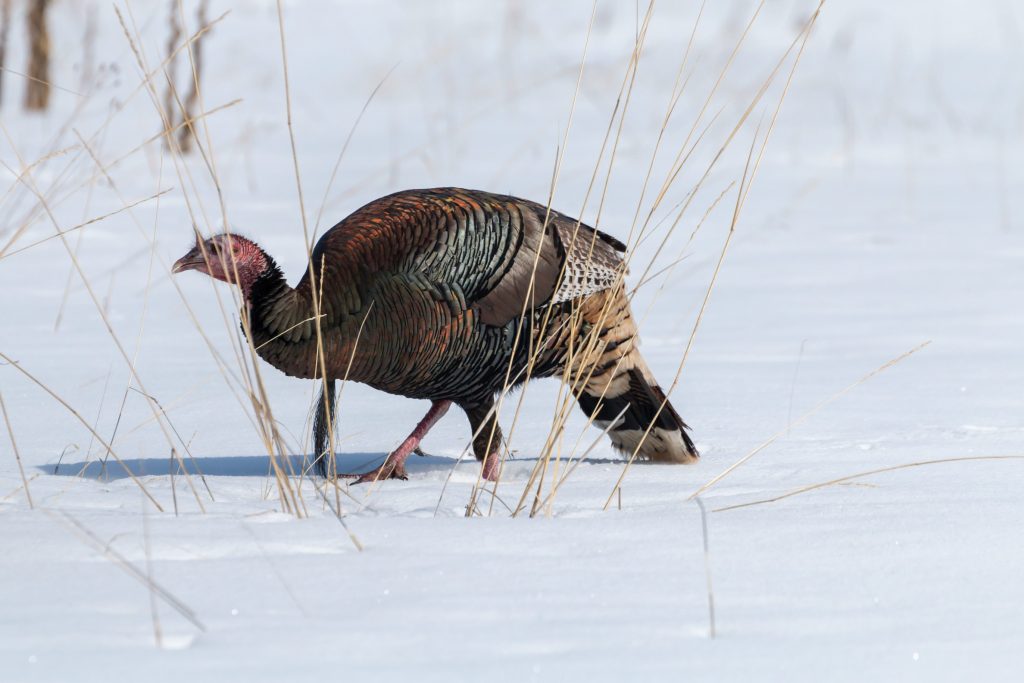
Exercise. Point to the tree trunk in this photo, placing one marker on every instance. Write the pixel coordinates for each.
(5, 31)
(170, 101)
(187, 134)
(37, 94)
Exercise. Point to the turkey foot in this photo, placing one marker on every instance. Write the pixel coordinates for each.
(394, 464)
(389, 470)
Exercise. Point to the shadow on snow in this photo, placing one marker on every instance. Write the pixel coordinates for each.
(253, 465)
(228, 465)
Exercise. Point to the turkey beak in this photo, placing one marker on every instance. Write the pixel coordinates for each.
(190, 261)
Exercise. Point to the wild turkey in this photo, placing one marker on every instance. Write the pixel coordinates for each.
(447, 294)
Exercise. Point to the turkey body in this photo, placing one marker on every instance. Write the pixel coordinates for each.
(451, 294)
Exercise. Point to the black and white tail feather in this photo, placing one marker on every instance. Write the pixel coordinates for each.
(623, 396)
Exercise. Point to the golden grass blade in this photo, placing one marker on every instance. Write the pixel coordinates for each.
(119, 560)
(868, 473)
(30, 185)
(154, 613)
(84, 422)
(17, 455)
(344, 146)
(126, 207)
(696, 324)
(750, 171)
(222, 364)
(528, 299)
(262, 414)
(44, 82)
(803, 418)
(707, 565)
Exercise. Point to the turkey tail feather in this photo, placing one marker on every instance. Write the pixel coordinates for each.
(323, 424)
(642, 420)
(621, 394)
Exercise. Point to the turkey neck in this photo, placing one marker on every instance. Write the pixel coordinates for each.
(282, 325)
(262, 292)
(276, 313)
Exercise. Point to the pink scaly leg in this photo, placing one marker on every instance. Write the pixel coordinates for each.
(486, 437)
(491, 465)
(394, 465)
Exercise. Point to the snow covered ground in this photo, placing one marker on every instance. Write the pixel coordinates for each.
(886, 213)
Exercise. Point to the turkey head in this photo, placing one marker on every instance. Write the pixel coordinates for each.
(228, 258)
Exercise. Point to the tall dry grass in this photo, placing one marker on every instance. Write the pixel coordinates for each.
(185, 137)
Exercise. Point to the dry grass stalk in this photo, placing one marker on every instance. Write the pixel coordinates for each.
(262, 403)
(104, 169)
(707, 565)
(785, 430)
(557, 428)
(222, 365)
(684, 153)
(171, 466)
(344, 147)
(84, 423)
(258, 402)
(157, 631)
(36, 209)
(87, 72)
(332, 467)
(419, 151)
(562, 414)
(27, 180)
(537, 341)
(513, 381)
(17, 455)
(700, 316)
(95, 425)
(677, 92)
(184, 444)
(58, 178)
(552, 453)
(19, 487)
(750, 171)
(138, 347)
(69, 279)
(42, 202)
(861, 475)
(574, 462)
(581, 363)
(681, 157)
(120, 561)
(668, 269)
(97, 219)
(565, 406)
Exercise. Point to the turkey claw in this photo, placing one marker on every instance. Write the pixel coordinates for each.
(383, 472)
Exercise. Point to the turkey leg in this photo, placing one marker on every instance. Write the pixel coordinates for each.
(394, 465)
(487, 441)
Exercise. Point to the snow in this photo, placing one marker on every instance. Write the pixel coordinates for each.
(885, 214)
